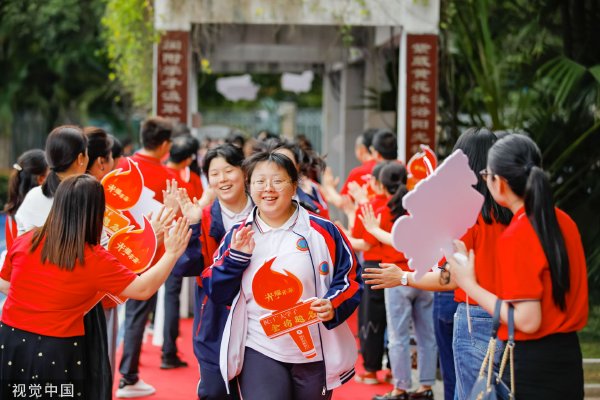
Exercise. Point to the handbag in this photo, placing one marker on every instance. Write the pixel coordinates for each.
(489, 385)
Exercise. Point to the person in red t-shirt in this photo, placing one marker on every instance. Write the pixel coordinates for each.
(155, 134)
(462, 342)
(54, 275)
(360, 174)
(181, 155)
(405, 305)
(541, 271)
(371, 312)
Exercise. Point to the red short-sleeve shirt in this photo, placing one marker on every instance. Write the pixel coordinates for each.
(359, 231)
(360, 175)
(155, 174)
(388, 253)
(482, 238)
(524, 274)
(50, 301)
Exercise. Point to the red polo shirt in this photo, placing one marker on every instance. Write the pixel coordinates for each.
(388, 253)
(524, 274)
(359, 231)
(50, 301)
(482, 238)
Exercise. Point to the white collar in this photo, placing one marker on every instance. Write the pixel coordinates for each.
(231, 215)
(263, 227)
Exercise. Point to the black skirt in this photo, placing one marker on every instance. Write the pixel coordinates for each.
(32, 364)
(548, 368)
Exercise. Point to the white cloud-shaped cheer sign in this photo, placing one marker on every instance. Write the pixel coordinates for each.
(441, 208)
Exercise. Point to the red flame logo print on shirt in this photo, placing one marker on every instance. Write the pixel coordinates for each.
(123, 189)
(281, 293)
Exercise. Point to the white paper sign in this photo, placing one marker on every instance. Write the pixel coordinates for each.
(441, 209)
(236, 88)
(297, 83)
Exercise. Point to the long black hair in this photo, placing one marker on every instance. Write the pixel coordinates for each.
(63, 145)
(24, 177)
(518, 160)
(393, 177)
(475, 143)
(75, 220)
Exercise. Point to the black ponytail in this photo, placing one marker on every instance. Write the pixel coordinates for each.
(517, 159)
(30, 166)
(393, 177)
(539, 207)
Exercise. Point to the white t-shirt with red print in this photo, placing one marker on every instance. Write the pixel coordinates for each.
(287, 277)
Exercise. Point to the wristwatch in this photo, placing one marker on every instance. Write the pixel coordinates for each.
(404, 279)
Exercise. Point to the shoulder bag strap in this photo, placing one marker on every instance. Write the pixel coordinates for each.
(508, 354)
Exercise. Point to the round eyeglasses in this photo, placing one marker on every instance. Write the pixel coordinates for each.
(277, 185)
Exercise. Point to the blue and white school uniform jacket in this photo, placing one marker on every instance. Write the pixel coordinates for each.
(337, 275)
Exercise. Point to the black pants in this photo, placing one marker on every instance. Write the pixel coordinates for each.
(548, 368)
(263, 378)
(171, 328)
(136, 316)
(372, 324)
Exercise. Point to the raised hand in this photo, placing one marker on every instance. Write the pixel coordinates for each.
(161, 221)
(328, 180)
(189, 209)
(177, 238)
(370, 222)
(358, 192)
(242, 240)
(170, 196)
(208, 196)
(324, 309)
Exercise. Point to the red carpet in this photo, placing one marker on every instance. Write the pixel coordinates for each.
(180, 384)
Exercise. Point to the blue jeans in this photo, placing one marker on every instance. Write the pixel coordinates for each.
(470, 348)
(403, 303)
(444, 308)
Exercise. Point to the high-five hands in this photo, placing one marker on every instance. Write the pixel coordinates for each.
(192, 210)
(177, 238)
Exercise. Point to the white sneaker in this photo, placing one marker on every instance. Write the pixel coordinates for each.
(138, 389)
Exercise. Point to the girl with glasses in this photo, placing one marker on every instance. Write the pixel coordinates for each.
(279, 257)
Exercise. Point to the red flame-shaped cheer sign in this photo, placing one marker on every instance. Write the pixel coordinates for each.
(420, 166)
(134, 248)
(123, 189)
(281, 292)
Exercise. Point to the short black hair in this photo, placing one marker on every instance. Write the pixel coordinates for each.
(232, 154)
(183, 147)
(386, 143)
(155, 131)
(270, 156)
(366, 138)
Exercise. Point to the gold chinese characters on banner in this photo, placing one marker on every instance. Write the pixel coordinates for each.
(421, 92)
